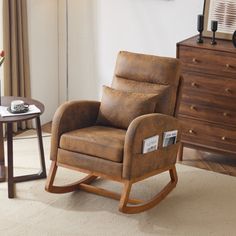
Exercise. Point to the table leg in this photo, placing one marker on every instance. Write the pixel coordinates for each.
(10, 161)
(17, 179)
(2, 162)
(42, 173)
(41, 151)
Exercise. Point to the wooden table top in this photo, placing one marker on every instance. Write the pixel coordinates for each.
(6, 101)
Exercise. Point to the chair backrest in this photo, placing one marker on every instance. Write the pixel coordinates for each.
(149, 74)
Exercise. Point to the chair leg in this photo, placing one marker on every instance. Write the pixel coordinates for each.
(180, 152)
(50, 187)
(173, 175)
(123, 207)
(125, 195)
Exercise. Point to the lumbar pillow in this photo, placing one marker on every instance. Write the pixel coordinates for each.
(119, 108)
(166, 93)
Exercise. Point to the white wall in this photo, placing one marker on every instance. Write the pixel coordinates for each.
(99, 29)
(81, 50)
(146, 26)
(62, 51)
(79, 81)
(43, 48)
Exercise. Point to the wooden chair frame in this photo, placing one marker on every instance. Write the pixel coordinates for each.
(85, 184)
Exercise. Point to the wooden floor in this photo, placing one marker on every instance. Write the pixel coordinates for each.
(204, 160)
(210, 161)
(47, 127)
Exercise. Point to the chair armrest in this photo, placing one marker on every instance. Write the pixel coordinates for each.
(70, 116)
(135, 162)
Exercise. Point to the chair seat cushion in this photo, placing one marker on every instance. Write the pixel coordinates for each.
(99, 141)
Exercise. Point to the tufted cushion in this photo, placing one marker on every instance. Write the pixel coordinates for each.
(119, 108)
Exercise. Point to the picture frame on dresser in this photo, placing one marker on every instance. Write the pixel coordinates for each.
(222, 11)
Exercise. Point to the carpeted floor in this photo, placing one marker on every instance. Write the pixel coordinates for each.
(203, 203)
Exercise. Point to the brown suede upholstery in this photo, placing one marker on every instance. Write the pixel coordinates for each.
(149, 74)
(127, 106)
(89, 163)
(78, 141)
(87, 136)
(70, 116)
(137, 164)
(99, 141)
(162, 92)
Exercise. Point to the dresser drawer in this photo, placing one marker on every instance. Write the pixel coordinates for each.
(209, 84)
(209, 100)
(208, 136)
(209, 61)
(210, 114)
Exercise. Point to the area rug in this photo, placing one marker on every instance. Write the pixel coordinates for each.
(203, 203)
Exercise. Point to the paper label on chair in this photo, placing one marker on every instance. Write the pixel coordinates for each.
(169, 137)
(150, 144)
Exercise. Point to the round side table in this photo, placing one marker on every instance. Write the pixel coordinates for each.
(6, 101)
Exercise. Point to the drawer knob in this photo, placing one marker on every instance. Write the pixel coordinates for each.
(194, 60)
(193, 108)
(223, 138)
(225, 114)
(193, 84)
(227, 90)
(191, 131)
(228, 65)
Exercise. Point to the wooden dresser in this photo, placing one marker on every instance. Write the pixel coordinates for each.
(208, 105)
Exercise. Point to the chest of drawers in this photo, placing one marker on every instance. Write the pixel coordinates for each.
(208, 106)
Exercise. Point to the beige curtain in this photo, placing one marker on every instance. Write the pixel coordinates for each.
(15, 43)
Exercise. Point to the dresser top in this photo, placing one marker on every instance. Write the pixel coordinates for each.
(222, 45)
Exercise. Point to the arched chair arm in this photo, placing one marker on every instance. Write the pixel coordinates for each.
(135, 162)
(70, 116)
